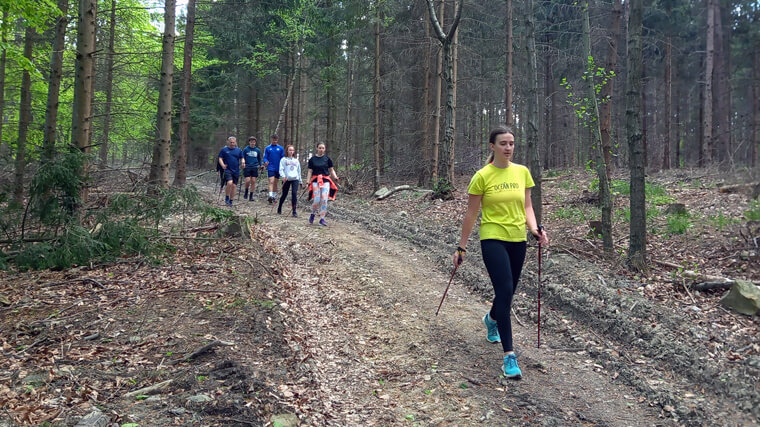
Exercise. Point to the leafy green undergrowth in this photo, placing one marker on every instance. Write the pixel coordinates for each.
(753, 211)
(53, 230)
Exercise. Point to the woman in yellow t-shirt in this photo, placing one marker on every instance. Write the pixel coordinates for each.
(502, 190)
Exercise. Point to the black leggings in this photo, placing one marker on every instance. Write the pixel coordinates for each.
(285, 187)
(504, 262)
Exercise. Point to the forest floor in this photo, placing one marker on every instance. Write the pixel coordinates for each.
(298, 323)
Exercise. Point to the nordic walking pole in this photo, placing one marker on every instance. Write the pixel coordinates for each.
(459, 262)
(538, 342)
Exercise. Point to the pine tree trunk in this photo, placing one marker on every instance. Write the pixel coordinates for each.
(644, 114)
(4, 148)
(105, 143)
(607, 90)
(452, 147)
(25, 118)
(534, 159)
(668, 103)
(159, 168)
(721, 90)
(446, 40)
(250, 111)
(509, 113)
(376, 98)
(437, 103)
(349, 101)
(81, 116)
(549, 159)
(637, 240)
(180, 173)
(602, 172)
(54, 83)
(707, 109)
(678, 120)
(755, 150)
(426, 147)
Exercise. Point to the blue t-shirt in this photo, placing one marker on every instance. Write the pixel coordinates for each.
(252, 157)
(273, 154)
(231, 158)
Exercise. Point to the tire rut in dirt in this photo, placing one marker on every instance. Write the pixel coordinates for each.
(632, 323)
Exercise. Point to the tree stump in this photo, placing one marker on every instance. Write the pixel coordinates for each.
(676, 209)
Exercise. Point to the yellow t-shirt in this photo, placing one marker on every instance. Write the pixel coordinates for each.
(503, 203)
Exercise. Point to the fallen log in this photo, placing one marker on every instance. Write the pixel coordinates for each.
(150, 389)
(402, 188)
(704, 282)
(751, 189)
(201, 350)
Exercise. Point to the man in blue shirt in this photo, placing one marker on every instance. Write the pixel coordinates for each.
(272, 155)
(252, 156)
(230, 159)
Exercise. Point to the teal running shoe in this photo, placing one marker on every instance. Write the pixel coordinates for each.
(493, 330)
(510, 368)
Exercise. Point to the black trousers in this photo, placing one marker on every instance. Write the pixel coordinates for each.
(289, 185)
(504, 262)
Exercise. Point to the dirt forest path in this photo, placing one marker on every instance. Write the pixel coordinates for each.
(359, 314)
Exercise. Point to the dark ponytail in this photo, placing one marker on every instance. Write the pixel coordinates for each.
(498, 130)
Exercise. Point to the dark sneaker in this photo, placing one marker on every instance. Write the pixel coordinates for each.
(279, 211)
(492, 328)
(295, 215)
(510, 368)
(245, 196)
(322, 222)
(311, 219)
(250, 197)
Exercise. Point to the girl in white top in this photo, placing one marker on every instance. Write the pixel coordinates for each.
(290, 172)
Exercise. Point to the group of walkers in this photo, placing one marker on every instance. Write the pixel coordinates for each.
(281, 164)
(500, 192)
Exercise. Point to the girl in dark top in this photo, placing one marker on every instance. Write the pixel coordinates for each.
(321, 185)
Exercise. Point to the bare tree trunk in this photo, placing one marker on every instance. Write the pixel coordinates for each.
(437, 101)
(180, 173)
(446, 40)
(509, 113)
(302, 83)
(376, 128)
(4, 148)
(755, 150)
(250, 111)
(105, 143)
(534, 159)
(707, 119)
(425, 175)
(602, 172)
(452, 147)
(678, 119)
(607, 90)
(644, 114)
(297, 105)
(284, 109)
(721, 90)
(25, 119)
(637, 238)
(349, 94)
(81, 116)
(54, 85)
(159, 167)
(668, 102)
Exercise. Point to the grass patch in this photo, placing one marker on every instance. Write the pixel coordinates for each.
(753, 213)
(678, 224)
(569, 212)
(720, 221)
